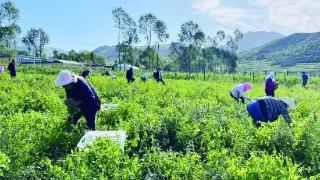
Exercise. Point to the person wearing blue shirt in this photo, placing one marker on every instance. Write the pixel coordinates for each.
(304, 78)
(145, 77)
(268, 109)
(129, 75)
(86, 73)
(107, 73)
(80, 94)
(158, 76)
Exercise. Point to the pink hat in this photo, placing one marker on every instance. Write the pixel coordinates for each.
(247, 86)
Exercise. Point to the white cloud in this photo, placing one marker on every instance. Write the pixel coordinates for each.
(285, 16)
(292, 15)
(220, 12)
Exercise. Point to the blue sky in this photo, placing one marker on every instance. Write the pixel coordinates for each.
(88, 24)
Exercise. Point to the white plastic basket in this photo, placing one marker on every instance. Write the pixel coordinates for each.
(108, 107)
(90, 136)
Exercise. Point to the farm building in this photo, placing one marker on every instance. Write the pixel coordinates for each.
(46, 61)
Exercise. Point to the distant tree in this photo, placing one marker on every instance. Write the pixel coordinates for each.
(179, 53)
(119, 17)
(43, 40)
(9, 16)
(92, 57)
(55, 54)
(26, 41)
(131, 37)
(33, 37)
(160, 29)
(220, 37)
(146, 27)
(25, 53)
(100, 60)
(191, 37)
(36, 38)
(73, 55)
(232, 44)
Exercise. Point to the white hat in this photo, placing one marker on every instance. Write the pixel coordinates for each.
(65, 77)
(289, 102)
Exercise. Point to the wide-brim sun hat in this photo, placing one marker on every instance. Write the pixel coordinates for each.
(289, 102)
(65, 77)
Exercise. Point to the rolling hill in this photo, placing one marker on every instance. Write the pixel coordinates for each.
(110, 52)
(288, 51)
(255, 39)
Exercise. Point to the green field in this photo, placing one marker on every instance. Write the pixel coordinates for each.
(258, 66)
(188, 129)
(4, 61)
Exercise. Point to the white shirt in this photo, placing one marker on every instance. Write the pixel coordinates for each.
(238, 92)
(146, 75)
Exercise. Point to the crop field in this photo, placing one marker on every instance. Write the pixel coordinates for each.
(265, 65)
(187, 129)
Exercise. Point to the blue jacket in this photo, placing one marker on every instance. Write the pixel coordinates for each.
(271, 108)
(85, 73)
(305, 78)
(12, 69)
(84, 92)
(129, 74)
(157, 75)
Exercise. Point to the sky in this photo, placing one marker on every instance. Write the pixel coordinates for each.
(88, 24)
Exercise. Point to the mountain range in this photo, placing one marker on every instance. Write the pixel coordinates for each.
(250, 40)
(110, 52)
(288, 51)
(254, 46)
(255, 39)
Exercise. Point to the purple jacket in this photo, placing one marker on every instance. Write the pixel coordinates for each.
(270, 85)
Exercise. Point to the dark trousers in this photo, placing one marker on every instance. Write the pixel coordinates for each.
(13, 74)
(160, 80)
(269, 93)
(237, 99)
(90, 118)
(304, 83)
(131, 80)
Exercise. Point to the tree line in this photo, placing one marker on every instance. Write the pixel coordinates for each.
(193, 52)
(9, 29)
(81, 56)
(149, 26)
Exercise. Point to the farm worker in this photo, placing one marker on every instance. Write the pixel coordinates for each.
(268, 109)
(81, 95)
(145, 77)
(157, 76)
(1, 69)
(86, 73)
(107, 73)
(270, 84)
(113, 77)
(304, 78)
(12, 68)
(238, 92)
(129, 75)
